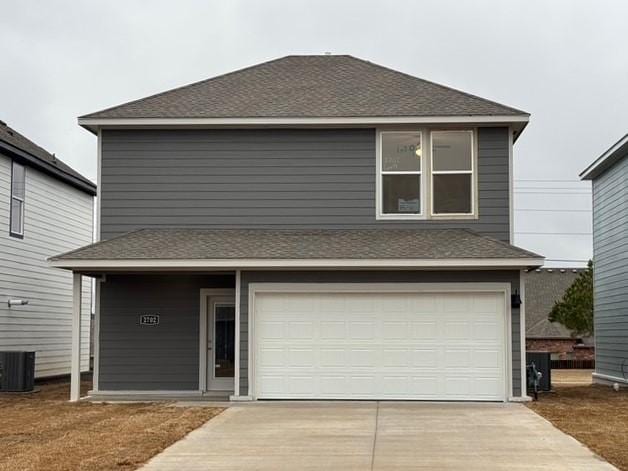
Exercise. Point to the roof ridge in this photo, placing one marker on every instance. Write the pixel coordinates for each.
(440, 85)
(182, 87)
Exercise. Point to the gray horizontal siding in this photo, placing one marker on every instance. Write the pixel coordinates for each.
(511, 277)
(163, 357)
(272, 178)
(610, 277)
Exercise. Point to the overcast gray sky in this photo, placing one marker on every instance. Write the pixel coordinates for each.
(565, 62)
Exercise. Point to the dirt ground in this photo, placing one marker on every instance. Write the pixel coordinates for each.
(595, 415)
(42, 431)
(572, 377)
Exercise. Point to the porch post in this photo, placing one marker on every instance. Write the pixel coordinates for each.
(75, 369)
(236, 370)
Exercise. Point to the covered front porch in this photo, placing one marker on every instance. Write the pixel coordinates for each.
(161, 335)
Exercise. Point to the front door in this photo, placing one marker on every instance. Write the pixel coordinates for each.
(220, 344)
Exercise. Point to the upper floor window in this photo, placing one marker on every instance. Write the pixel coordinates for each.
(452, 172)
(422, 180)
(18, 192)
(401, 164)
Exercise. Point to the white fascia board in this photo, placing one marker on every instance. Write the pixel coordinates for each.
(503, 119)
(298, 263)
(587, 173)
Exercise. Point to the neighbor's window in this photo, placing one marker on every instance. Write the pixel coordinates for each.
(401, 173)
(452, 172)
(18, 190)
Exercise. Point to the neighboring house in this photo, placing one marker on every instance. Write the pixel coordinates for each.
(45, 207)
(609, 177)
(313, 227)
(544, 287)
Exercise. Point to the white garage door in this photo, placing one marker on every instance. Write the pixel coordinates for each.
(334, 345)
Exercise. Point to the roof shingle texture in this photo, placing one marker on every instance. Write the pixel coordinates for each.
(543, 289)
(222, 244)
(309, 86)
(15, 139)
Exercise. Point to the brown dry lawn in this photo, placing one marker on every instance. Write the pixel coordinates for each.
(595, 415)
(42, 431)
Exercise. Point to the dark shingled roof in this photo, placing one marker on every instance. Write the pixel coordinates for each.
(223, 244)
(309, 86)
(41, 158)
(543, 288)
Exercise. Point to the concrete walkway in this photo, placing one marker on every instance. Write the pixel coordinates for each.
(381, 436)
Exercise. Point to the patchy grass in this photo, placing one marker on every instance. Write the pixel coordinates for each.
(42, 431)
(595, 415)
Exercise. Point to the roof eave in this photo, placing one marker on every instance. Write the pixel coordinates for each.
(83, 185)
(606, 160)
(302, 264)
(93, 124)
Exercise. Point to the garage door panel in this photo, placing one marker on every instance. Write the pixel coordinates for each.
(301, 330)
(333, 357)
(424, 357)
(424, 329)
(392, 330)
(333, 330)
(361, 385)
(457, 358)
(362, 357)
(302, 357)
(486, 358)
(380, 346)
(268, 330)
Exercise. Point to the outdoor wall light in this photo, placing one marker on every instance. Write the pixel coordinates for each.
(17, 302)
(515, 299)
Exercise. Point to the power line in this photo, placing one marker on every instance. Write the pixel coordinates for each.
(542, 191)
(565, 260)
(554, 210)
(553, 188)
(557, 233)
(548, 180)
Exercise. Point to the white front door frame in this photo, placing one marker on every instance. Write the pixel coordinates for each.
(205, 295)
(458, 287)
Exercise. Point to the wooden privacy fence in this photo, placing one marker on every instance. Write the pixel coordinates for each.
(572, 364)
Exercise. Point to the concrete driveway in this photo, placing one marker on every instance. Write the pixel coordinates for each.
(381, 436)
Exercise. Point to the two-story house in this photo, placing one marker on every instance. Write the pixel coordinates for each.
(45, 207)
(609, 177)
(313, 227)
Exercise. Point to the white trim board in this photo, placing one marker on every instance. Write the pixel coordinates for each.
(326, 121)
(261, 287)
(487, 263)
(591, 171)
(608, 379)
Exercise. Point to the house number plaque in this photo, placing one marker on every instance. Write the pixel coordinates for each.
(149, 319)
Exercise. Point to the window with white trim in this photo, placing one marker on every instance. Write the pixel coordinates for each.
(452, 172)
(425, 174)
(401, 171)
(18, 193)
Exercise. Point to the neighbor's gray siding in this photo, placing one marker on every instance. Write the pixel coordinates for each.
(57, 218)
(273, 178)
(511, 277)
(610, 275)
(163, 357)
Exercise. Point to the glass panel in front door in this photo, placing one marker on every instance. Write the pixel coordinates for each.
(224, 340)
